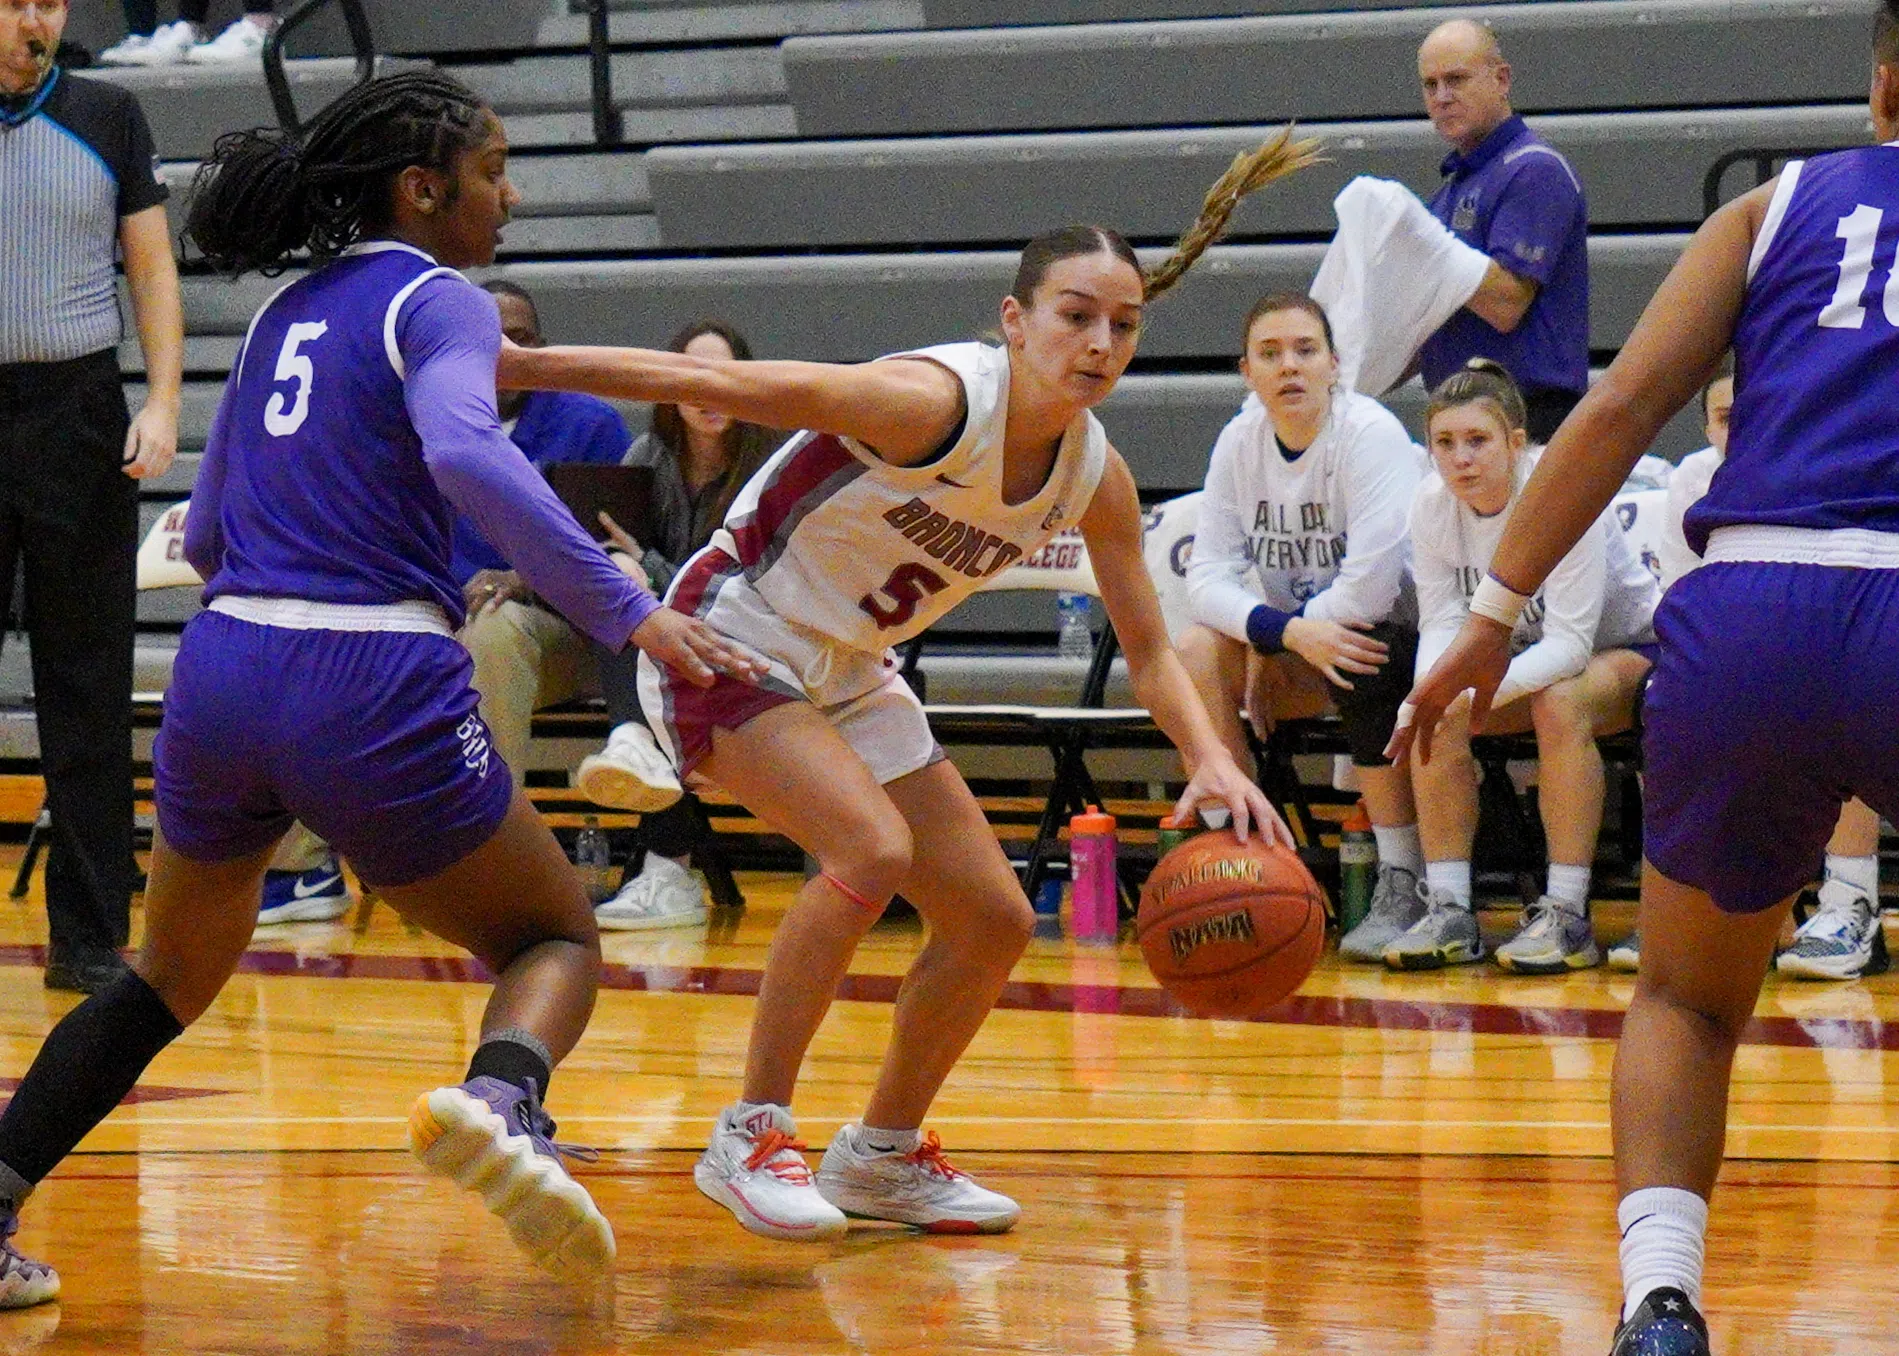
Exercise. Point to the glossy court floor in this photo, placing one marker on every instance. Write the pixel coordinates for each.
(1398, 1164)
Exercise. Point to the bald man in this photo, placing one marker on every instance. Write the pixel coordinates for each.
(1507, 193)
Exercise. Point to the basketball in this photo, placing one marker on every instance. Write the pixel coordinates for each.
(1229, 928)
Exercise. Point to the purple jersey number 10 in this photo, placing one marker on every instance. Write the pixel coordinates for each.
(1859, 228)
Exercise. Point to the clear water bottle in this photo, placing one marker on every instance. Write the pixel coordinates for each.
(1075, 641)
(593, 858)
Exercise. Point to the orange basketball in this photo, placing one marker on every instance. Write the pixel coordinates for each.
(1230, 928)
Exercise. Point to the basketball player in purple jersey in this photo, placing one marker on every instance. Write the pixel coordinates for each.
(323, 682)
(1777, 693)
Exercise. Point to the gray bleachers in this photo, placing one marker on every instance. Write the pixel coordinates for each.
(1638, 169)
(1593, 54)
(988, 14)
(710, 94)
(189, 107)
(668, 21)
(844, 308)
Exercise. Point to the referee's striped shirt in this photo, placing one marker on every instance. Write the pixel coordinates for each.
(73, 161)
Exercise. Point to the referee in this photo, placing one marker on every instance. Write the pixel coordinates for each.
(78, 177)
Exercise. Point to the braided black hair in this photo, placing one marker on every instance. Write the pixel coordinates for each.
(264, 196)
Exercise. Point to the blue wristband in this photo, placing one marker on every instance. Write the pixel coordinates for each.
(1266, 628)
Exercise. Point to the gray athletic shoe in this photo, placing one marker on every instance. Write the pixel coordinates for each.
(1552, 941)
(1840, 941)
(1447, 935)
(1626, 955)
(1395, 906)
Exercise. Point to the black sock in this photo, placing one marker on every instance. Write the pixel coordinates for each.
(89, 1063)
(514, 1056)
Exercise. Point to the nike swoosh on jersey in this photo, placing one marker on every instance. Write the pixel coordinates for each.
(953, 484)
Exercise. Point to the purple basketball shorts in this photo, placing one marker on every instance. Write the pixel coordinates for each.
(1776, 698)
(370, 738)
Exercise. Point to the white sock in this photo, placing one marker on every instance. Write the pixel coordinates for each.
(1570, 885)
(1450, 878)
(889, 1141)
(1847, 878)
(1664, 1231)
(1399, 847)
(742, 1108)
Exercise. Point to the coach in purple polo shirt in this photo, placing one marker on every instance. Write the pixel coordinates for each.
(1508, 194)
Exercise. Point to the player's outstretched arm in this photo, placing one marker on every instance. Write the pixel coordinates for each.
(1682, 334)
(1112, 529)
(694, 649)
(902, 409)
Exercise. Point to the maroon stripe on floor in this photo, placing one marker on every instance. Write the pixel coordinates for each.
(1376, 1014)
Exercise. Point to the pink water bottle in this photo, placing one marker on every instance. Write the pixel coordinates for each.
(1095, 905)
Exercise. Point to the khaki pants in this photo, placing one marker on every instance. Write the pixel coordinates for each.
(525, 658)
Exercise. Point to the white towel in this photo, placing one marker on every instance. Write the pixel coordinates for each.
(1391, 277)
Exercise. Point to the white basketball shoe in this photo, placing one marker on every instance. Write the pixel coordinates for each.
(631, 773)
(918, 1187)
(755, 1168)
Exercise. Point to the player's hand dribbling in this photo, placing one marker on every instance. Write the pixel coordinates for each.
(694, 649)
(1474, 663)
(1219, 781)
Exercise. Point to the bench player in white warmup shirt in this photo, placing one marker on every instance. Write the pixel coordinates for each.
(1300, 578)
(919, 476)
(1842, 939)
(1582, 649)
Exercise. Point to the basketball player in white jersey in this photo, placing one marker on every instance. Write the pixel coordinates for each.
(1842, 938)
(1581, 652)
(1301, 582)
(919, 476)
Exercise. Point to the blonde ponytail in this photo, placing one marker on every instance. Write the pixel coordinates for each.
(1250, 171)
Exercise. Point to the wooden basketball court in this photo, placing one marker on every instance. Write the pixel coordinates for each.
(1399, 1164)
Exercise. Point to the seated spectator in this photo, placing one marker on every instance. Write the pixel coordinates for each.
(1842, 939)
(1300, 582)
(148, 43)
(700, 459)
(526, 655)
(1582, 651)
(1651, 472)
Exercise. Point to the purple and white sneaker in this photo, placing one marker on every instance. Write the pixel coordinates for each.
(23, 1282)
(495, 1139)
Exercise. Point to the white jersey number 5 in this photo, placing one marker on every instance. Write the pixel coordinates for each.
(293, 366)
(1859, 228)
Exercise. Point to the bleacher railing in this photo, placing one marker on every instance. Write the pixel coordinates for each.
(1766, 161)
(607, 127)
(361, 42)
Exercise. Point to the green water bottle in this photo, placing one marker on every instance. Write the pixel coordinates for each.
(1358, 868)
(1175, 831)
